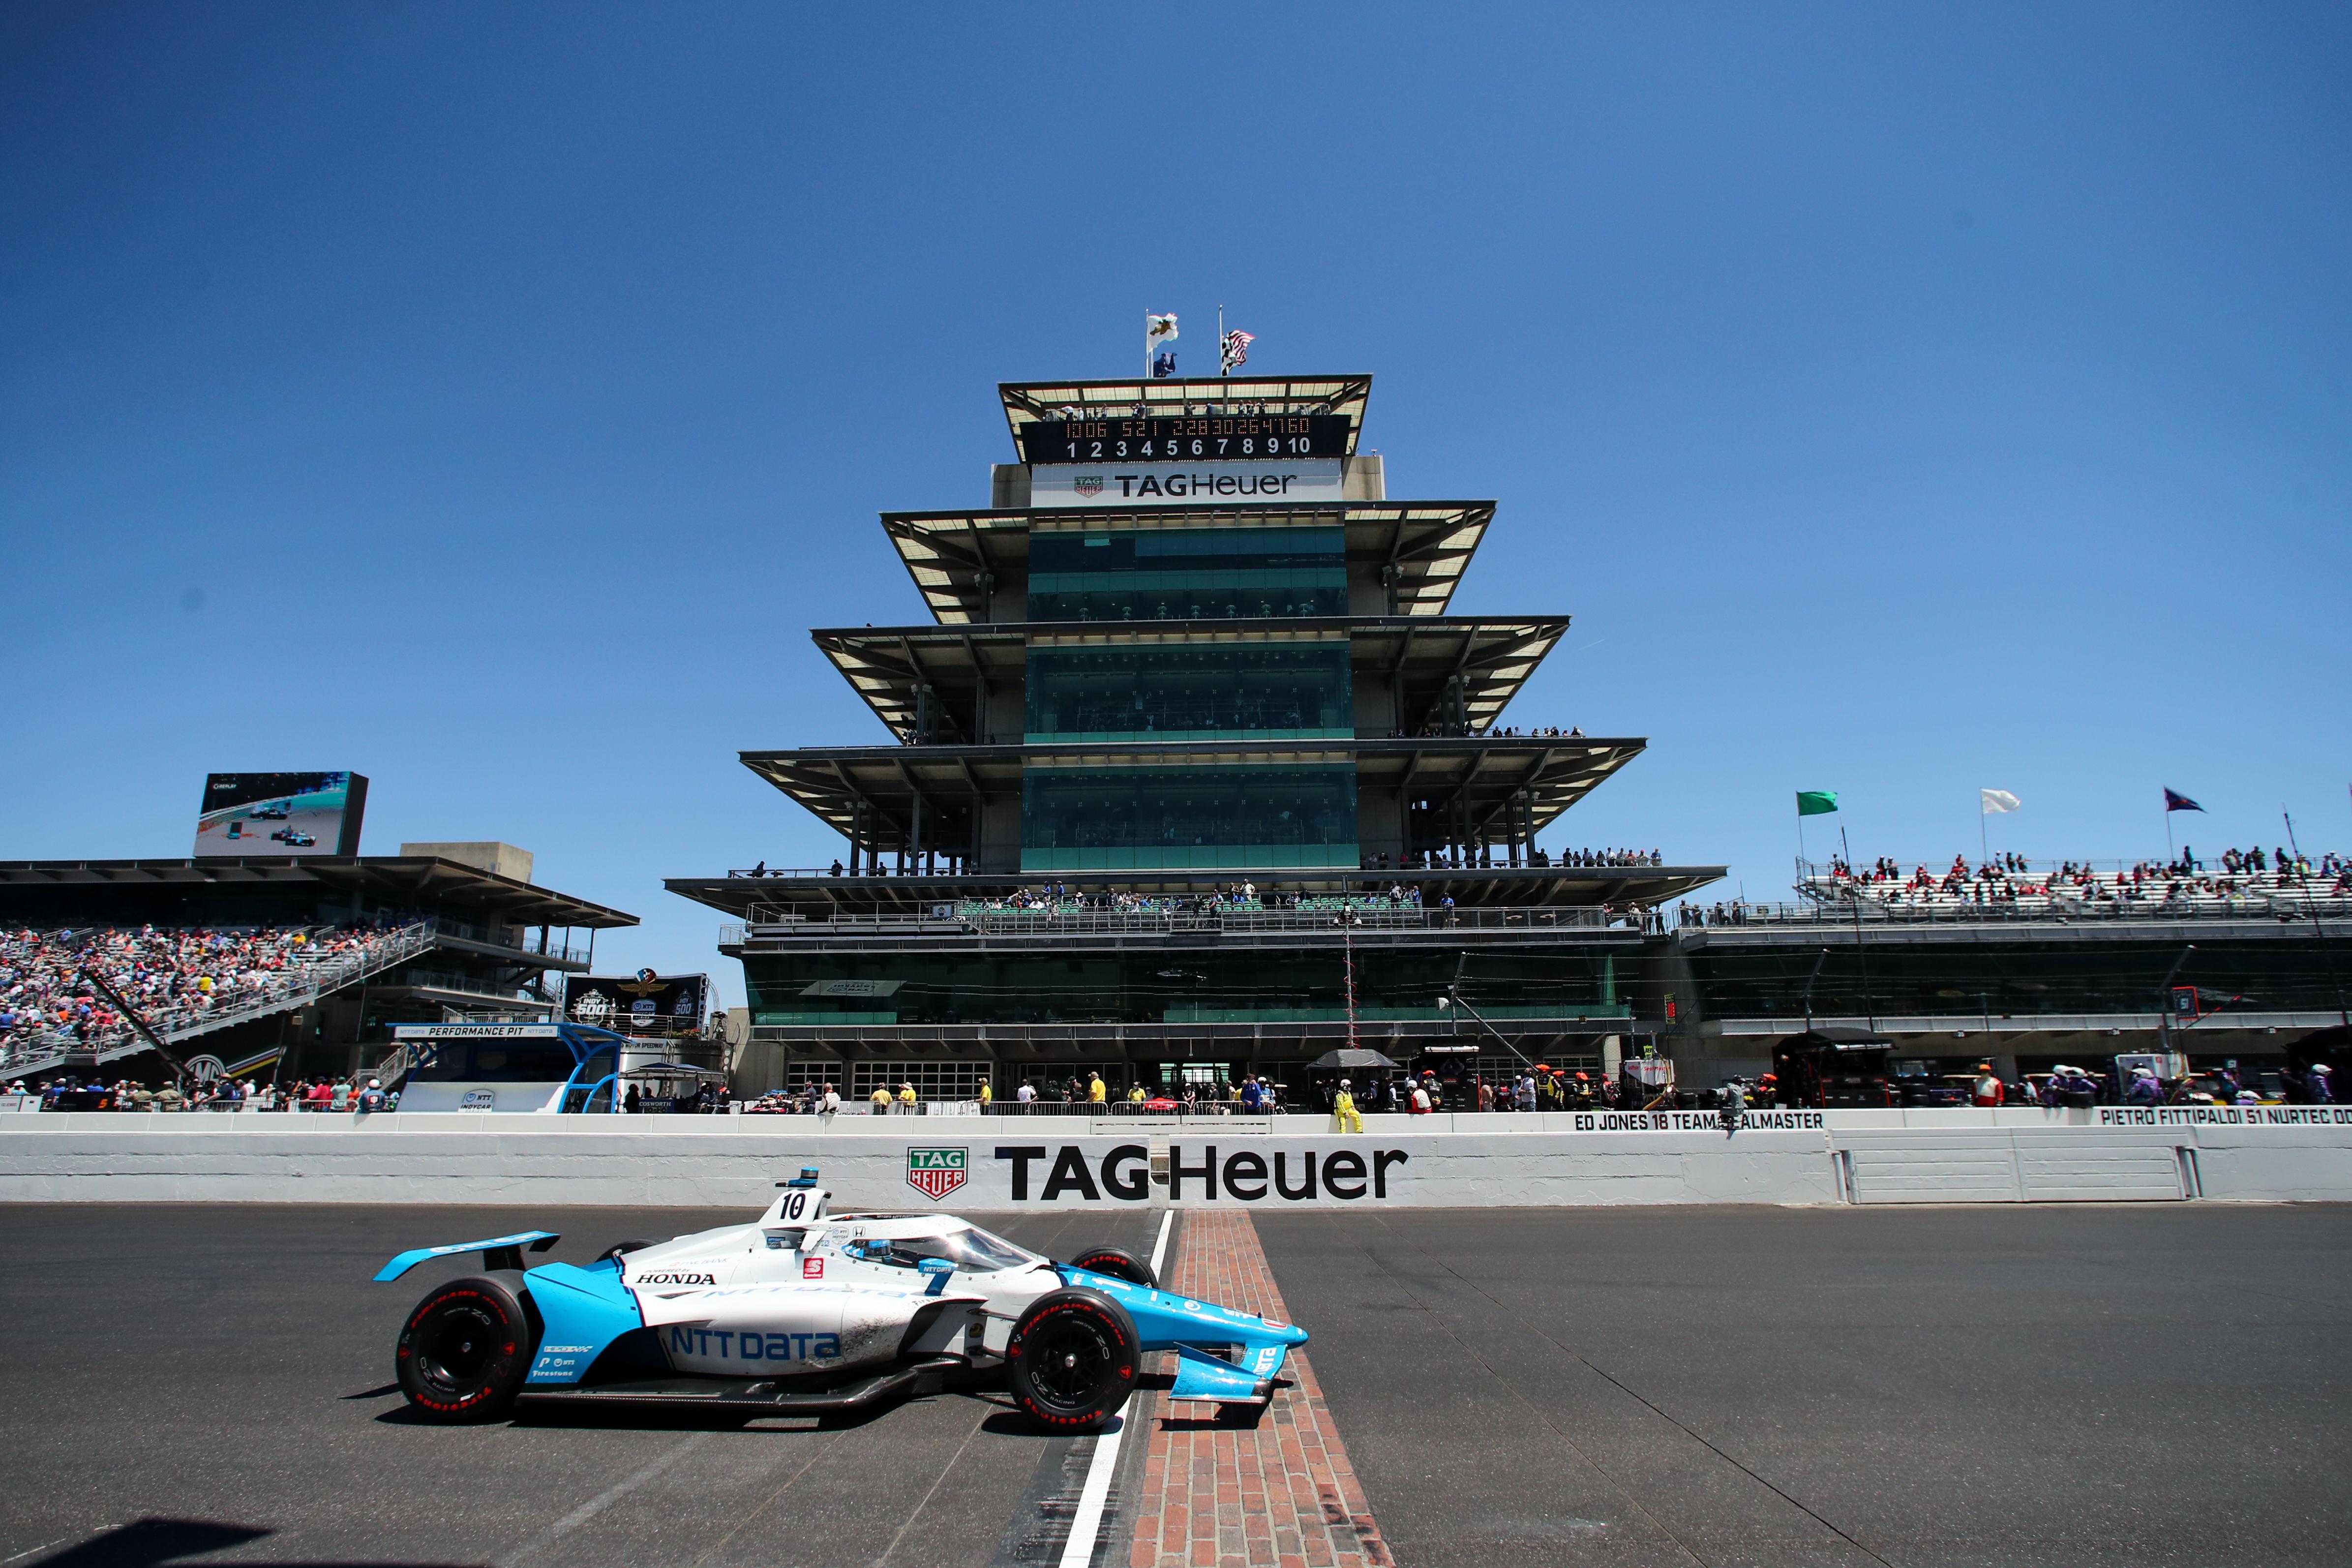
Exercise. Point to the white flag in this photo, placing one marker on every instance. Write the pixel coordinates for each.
(1998, 800)
(1159, 329)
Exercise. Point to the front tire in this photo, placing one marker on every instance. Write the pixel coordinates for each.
(1118, 1263)
(1074, 1359)
(465, 1352)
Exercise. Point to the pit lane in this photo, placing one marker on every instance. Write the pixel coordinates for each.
(212, 1383)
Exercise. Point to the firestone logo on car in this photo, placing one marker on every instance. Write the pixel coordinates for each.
(936, 1172)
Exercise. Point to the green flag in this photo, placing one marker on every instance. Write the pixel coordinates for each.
(1816, 802)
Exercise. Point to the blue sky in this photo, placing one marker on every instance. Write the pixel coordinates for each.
(489, 400)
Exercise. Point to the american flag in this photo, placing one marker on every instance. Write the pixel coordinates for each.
(1237, 348)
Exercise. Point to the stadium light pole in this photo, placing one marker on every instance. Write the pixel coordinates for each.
(179, 1067)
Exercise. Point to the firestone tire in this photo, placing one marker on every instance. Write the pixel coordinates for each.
(1118, 1263)
(1074, 1359)
(465, 1352)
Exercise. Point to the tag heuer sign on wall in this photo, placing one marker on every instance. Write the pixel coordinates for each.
(1184, 484)
(643, 1004)
(936, 1172)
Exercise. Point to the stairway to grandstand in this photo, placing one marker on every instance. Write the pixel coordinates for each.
(318, 977)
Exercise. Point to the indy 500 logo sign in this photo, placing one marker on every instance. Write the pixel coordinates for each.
(936, 1172)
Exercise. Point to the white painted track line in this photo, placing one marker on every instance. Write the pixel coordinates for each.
(1087, 1523)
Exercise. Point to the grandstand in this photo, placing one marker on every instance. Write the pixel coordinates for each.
(295, 964)
(2086, 890)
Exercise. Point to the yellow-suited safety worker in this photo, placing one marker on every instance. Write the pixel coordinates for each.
(986, 1097)
(1343, 1111)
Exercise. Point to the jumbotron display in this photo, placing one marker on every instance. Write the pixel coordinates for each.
(1200, 438)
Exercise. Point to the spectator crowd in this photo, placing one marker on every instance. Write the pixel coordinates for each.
(173, 977)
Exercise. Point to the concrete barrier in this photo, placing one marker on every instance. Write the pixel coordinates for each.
(1016, 1162)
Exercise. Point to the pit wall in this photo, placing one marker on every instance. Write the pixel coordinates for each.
(2263, 1154)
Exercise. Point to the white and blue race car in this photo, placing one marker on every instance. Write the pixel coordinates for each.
(807, 1312)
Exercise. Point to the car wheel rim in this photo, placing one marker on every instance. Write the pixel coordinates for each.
(1066, 1370)
(458, 1343)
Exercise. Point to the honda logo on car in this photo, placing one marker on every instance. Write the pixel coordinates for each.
(673, 1279)
(936, 1172)
(1123, 1174)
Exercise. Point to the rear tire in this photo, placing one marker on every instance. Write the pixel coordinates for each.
(465, 1352)
(1073, 1356)
(1118, 1263)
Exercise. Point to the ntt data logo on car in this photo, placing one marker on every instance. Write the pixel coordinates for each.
(936, 1172)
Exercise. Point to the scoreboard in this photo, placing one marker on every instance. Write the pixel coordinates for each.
(1211, 437)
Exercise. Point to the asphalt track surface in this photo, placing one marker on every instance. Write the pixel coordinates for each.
(2107, 1385)
(2016, 1384)
(212, 1384)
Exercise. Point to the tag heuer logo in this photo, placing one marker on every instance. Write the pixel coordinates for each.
(936, 1172)
(1087, 484)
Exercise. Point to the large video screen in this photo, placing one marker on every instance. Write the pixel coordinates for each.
(259, 815)
(644, 1003)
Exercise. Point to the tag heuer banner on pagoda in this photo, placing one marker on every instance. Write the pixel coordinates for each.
(1184, 484)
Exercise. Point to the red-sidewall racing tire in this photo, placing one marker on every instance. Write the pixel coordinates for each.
(1118, 1263)
(1073, 1358)
(465, 1350)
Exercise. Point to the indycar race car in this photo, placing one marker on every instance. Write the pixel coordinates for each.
(807, 1312)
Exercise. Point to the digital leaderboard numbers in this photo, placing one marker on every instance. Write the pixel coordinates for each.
(1233, 437)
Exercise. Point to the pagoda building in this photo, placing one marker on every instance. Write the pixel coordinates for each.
(1192, 775)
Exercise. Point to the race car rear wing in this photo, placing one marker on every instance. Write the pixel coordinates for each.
(498, 1252)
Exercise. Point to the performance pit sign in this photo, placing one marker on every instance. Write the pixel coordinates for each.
(1314, 480)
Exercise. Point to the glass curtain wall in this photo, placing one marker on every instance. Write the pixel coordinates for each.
(1148, 816)
(1196, 573)
(1191, 690)
(1180, 987)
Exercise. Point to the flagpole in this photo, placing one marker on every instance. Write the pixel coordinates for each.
(2168, 835)
(1221, 344)
(1984, 851)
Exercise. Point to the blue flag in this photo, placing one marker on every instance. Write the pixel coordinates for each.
(2173, 802)
(1163, 364)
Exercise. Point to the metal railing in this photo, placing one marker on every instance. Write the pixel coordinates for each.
(1082, 922)
(2037, 909)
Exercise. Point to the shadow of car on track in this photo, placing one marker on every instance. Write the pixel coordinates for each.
(151, 1543)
